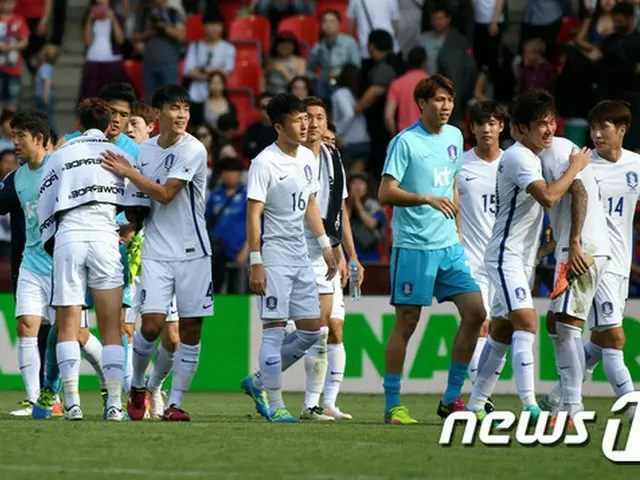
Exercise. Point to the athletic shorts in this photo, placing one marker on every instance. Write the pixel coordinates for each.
(188, 281)
(337, 310)
(78, 266)
(486, 287)
(126, 287)
(291, 294)
(133, 313)
(607, 307)
(512, 284)
(577, 300)
(33, 295)
(325, 287)
(419, 275)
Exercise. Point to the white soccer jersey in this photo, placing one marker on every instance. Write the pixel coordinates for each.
(477, 187)
(177, 231)
(619, 190)
(516, 232)
(283, 184)
(555, 161)
(323, 171)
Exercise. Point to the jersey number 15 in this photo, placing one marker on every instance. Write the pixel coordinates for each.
(488, 201)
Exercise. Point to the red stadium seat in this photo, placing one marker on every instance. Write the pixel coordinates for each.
(248, 51)
(569, 27)
(246, 75)
(134, 71)
(253, 28)
(194, 28)
(229, 10)
(243, 100)
(339, 6)
(303, 27)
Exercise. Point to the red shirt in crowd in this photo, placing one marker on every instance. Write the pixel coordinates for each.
(12, 30)
(30, 8)
(401, 92)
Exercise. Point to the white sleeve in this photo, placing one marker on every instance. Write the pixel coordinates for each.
(345, 191)
(258, 182)
(523, 173)
(395, 10)
(188, 162)
(351, 10)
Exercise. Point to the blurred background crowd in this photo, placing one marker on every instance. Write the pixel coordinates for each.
(363, 57)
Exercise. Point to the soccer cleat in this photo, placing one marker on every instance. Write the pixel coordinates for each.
(548, 403)
(258, 396)
(562, 281)
(480, 414)
(337, 414)
(104, 395)
(73, 413)
(554, 419)
(399, 415)
(113, 414)
(534, 410)
(43, 408)
(445, 410)
(315, 413)
(156, 406)
(282, 415)
(175, 414)
(25, 410)
(489, 406)
(136, 406)
(58, 409)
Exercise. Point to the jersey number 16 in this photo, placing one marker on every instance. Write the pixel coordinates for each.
(298, 201)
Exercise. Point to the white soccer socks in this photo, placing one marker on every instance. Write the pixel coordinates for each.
(315, 365)
(128, 368)
(337, 361)
(570, 363)
(142, 352)
(113, 367)
(187, 358)
(475, 359)
(490, 365)
(162, 368)
(92, 352)
(69, 365)
(29, 364)
(296, 344)
(523, 367)
(616, 371)
(271, 366)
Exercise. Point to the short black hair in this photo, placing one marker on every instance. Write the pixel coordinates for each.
(331, 127)
(262, 96)
(118, 91)
(416, 57)
(623, 8)
(94, 113)
(7, 115)
(441, 6)
(482, 112)
(29, 121)
(53, 136)
(283, 105)
(531, 107)
(5, 152)
(333, 12)
(381, 39)
(231, 164)
(169, 94)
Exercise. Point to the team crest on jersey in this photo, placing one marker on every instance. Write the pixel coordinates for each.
(272, 303)
(169, 161)
(632, 179)
(308, 173)
(521, 293)
(143, 296)
(607, 309)
(452, 150)
(407, 289)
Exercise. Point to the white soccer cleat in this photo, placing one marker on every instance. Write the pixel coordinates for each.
(337, 414)
(73, 413)
(114, 414)
(315, 414)
(25, 410)
(157, 404)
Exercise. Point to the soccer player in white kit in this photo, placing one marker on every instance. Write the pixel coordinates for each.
(616, 172)
(521, 192)
(176, 255)
(582, 254)
(477, 187)
(282, 191)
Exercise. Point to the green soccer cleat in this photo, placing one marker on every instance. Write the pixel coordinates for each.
(44, 406)
(258, 396)
(399, 416)
(282, 415)
(534, 410)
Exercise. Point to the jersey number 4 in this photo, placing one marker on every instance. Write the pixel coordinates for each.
(615, 206)
(298, 202)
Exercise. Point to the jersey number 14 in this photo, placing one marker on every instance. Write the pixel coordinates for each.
(615, 206)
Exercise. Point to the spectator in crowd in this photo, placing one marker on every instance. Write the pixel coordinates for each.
(410, 24)
(487, 33)
(461, 11)
(368, 220)
(45, 98)
(218, 102)
(14, 37)
(276, 10)
(59, 20)
(285, 64)
(300, 87)
(596, 26)
(226, 214)
(542, 19)
(401, 110)
(6, 142)
(37, 13)
(330, 54)
(8, 163)
(351, 127)
(213, 54)
(502, 86)
(370, 15)
(261, 134)
(160, 36)
(537, 73)
(104, 37)
(330, 135)
(218, 148)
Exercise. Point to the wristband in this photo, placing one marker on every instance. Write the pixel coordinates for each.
(324, 241)
(255, 258)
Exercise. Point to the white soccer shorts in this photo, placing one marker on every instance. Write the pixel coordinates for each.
(576, 301)
(512, 285)
(188, 281)
(337, 311)
(487, 289)
(291, 294)
(78, 265)
(325, 287)
(33, 294)
(607, 307)
(133, 313)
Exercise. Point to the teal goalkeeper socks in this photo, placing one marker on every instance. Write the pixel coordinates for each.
(51, 371)
(391, 386)
(457, 375)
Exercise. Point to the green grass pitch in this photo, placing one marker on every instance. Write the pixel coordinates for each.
(228, 440)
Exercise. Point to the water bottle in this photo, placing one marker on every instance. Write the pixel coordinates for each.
(354, 288)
